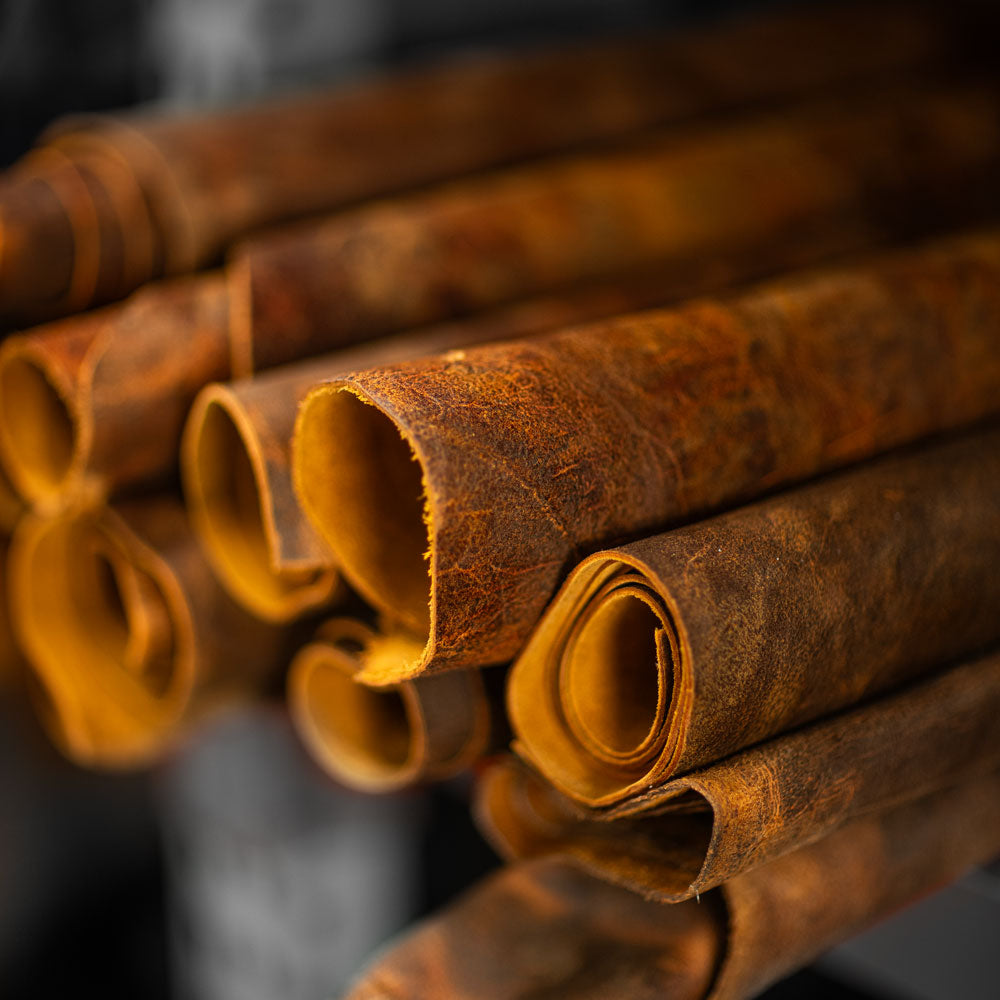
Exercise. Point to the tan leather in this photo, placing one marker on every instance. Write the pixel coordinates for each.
(96, 402)
(236, 450)
(462, 527)
(701, 829)
(833, 175)
(383, 739)
(545, 928)
(674, 651)
(127, 633)
(143, 193)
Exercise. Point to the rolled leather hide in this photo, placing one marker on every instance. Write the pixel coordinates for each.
(456, 491)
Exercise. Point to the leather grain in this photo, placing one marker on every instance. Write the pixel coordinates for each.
(457, 491)
(205, 180)
(546, 928)
(700, 830)
(236, 461)
(827, 176)
(676, 650)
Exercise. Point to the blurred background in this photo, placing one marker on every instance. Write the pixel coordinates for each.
(237, 869)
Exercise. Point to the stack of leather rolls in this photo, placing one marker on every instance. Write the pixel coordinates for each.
(633, 405)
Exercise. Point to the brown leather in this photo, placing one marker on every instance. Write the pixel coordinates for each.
(128, 635)
(380, 740)
(209, 179)
(557, 445)
(702, 829)
(784, 915)
(96, 402)
(829, 176)
(674, 651)
(236, 451)
(545, 928)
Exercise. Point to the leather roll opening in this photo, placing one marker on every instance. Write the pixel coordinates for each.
(38, 431)
(612, 681)
(226, 491)
(364, 733)
(362, 485)
(98, 631)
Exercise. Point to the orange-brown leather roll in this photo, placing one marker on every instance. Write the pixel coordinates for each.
(97, 402)
(126, 631)
(236, 452)
(674, 651)
(825, 180)
(378, 739)
(700, 830)
(210, 178)
(456, 491)
(831, 176)
(546, 927)
(39, 222)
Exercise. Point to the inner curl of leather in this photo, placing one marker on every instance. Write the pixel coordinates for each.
(364, 733)
(38, 429)
(99, 632)
(227, 493)
(361, 483)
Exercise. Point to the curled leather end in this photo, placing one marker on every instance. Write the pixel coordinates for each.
(239, 494)
(43, 428)
(602, 692)
(107, 631)
(361, 484)
(386, 738)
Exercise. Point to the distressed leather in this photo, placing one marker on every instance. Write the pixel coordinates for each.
(506, 463)
(546, 928)
(699, 830)
(761, 619)
(109, 201)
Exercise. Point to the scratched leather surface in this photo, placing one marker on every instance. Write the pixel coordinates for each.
(778, 612)
(702, 829)
(297, 562)
(546, 928)
(557, 445)
(827, 177)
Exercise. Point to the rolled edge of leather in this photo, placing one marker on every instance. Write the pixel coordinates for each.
(96, 402)
(387, 738)
(127, 635)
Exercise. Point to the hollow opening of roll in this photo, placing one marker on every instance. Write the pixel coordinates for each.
(613, 679)
(364, 731)
(229, 514)
(364, 489)
(78, 627)
(39, 432)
